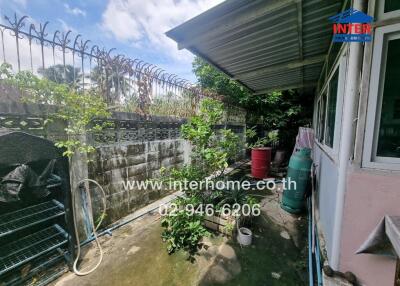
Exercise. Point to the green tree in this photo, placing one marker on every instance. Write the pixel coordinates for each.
(112, 83)
(283, 111)
(210, 154)
(63, 75)
(210, 78)
(211, 149)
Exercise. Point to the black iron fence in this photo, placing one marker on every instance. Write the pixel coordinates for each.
(130, 84)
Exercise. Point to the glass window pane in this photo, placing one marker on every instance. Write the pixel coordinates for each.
(318, 120)
(331, 112)
(391, 5)
(333, 55)
(389, 129)
(321, 119)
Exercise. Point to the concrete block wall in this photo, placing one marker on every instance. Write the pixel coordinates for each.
(114, 165)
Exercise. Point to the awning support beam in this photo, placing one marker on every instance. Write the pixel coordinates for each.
(281, 67)
(287, 87)
(300, 32)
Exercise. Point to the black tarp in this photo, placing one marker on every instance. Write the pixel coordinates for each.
(22, 148)
(23, 181)
(26, 167)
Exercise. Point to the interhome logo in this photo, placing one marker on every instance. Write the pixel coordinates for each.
(351, 26)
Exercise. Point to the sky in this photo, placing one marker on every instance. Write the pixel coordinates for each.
(136, 28)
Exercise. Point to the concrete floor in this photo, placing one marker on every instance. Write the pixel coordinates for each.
(135, 255)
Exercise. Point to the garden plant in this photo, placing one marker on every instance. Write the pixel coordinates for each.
(212, 149)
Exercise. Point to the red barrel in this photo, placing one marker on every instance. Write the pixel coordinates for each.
(260, 162)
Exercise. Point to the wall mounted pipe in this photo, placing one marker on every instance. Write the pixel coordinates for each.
(174, 196)
(315, 241)
(122, 223)
(318, 258)
(310, 255)
(346, 139)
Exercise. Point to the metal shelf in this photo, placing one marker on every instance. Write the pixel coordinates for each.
(27, 217)
(38, 266)
(29, 247)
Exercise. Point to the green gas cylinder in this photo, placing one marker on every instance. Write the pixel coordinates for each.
(293, 199)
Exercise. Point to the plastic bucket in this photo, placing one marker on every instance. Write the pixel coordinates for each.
(244, 236)
(260, 162)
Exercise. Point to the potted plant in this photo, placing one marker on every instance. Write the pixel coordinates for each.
(261, 152)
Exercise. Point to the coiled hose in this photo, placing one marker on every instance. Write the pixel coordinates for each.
(78, 246)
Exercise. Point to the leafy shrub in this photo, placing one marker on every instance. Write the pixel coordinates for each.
(271, 138)
(233, 196)
(211, 149)
(229, 143)
(211, 152)
(285, 111)
(183, 230)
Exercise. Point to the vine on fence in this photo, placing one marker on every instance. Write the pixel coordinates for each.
(79, 110)
(125, 84)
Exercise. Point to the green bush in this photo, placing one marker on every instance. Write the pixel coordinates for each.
(211, 149)
(285, 111)
(82, 111)
(271, 138)
(210, 154)
(183, 230)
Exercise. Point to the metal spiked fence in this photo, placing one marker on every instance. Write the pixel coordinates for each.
(129, 84)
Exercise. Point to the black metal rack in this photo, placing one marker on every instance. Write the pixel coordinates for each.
(35, 232)
(30, 216)
(53, 259)
(29, 247)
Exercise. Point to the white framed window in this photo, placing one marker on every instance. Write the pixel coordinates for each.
(331, 105)
(321, 117)
(387, 9)
(329, 109)
(382, 131)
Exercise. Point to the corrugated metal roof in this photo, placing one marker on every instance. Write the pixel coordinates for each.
(266, 45)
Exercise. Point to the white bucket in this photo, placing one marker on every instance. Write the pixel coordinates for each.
(244, 236)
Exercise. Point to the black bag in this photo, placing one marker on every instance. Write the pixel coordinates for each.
(23, 182)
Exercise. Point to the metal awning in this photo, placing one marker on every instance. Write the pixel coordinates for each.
(264, 44)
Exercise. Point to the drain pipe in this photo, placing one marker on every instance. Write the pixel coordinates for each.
(315, 238)
(310, 249)
(109, 230)
(346, 139)
(318, 258)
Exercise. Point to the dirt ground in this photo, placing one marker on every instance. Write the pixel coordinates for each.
(136, 255)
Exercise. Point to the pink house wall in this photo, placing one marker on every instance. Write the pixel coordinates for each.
(368, 198)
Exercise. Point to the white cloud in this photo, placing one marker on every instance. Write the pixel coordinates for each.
(144, 23)
(65, 27)
(73, 10)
